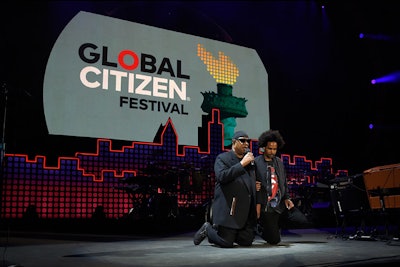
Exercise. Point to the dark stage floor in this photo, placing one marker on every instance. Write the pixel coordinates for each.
(171, 244)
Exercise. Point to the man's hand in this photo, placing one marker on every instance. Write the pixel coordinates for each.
(247, 159)
(258, 186)
(289, 204)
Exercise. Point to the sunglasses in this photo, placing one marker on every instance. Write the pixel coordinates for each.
(243, 140)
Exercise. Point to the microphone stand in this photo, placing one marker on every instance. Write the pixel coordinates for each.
(3, 153)
(3, 144)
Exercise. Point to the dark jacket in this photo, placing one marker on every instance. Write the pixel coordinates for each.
(234, 195)
(261, 174)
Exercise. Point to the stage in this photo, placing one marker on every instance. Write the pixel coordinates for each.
(299, 247)
(349, 229)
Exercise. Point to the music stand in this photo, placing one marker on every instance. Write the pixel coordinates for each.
(383, 189)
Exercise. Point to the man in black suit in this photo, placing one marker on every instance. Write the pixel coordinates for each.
(233, 207)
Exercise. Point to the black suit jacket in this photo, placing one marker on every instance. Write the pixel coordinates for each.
(234, 195)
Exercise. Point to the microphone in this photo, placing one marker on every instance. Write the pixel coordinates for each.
(247, 150)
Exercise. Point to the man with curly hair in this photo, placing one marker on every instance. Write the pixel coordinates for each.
(273, 198)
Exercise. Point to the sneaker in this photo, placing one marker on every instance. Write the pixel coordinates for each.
(201, 234)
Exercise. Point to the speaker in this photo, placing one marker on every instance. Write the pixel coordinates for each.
(349, 195)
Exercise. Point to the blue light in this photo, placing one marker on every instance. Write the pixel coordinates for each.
(380, 37)
(389, 78)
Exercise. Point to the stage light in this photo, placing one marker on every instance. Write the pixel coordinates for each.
(323, 3)
(393, 77)
(371, 126)
(380, 37)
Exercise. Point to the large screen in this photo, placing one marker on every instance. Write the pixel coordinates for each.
(111, 78)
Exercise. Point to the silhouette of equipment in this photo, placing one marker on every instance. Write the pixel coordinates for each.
(383, 189)
(349, 200)
(383, 186)
(155, 188)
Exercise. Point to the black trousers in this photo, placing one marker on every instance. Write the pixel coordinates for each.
(271, 221)
(226, 237)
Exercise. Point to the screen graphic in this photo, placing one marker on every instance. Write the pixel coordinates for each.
(110, 78)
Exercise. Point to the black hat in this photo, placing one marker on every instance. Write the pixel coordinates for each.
(238, 134)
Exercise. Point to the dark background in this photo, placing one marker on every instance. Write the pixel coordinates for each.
(319, 70)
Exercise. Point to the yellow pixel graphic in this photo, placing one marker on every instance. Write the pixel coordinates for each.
(223, 70)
